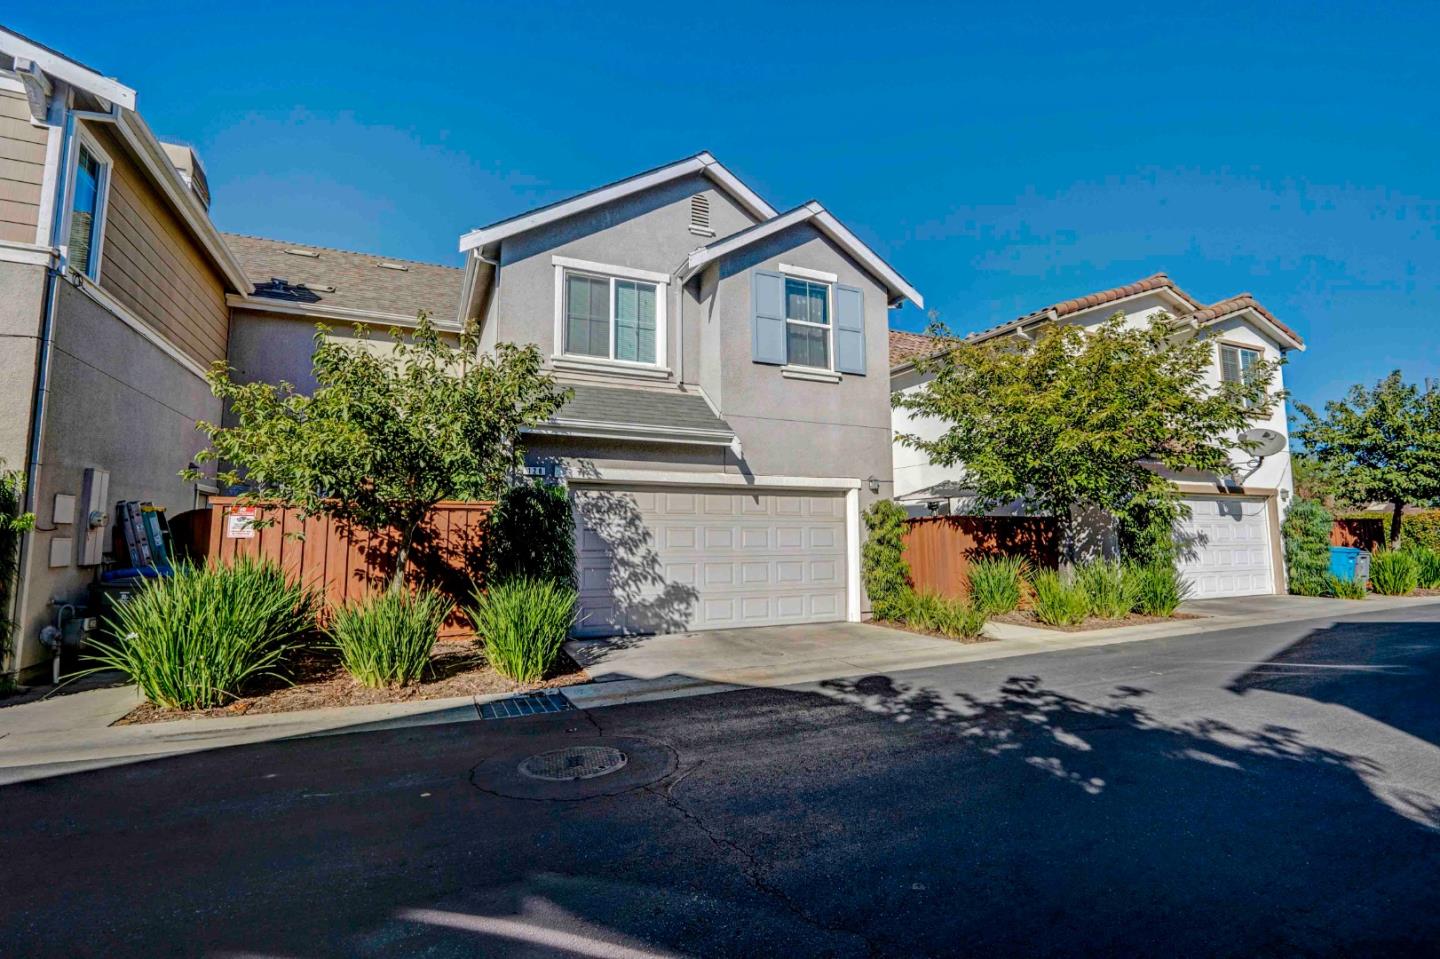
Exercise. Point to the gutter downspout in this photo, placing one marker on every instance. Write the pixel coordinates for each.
(39, 399)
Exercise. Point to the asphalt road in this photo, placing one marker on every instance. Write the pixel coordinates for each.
(1267, 792)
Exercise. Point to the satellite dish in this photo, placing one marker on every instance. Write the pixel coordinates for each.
(1264, 442)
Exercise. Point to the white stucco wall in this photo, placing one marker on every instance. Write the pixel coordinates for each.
(914, 472)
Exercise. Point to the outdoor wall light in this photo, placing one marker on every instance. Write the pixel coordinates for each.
(874, 484)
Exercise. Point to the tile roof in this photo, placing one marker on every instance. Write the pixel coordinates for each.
(905, 347)
(359, 280)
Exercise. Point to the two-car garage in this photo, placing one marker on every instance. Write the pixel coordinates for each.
(659, 558)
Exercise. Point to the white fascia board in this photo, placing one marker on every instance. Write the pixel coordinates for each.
(1265, 326)
(71, 72)
(703, 163)
(147, 149)
(623, 431)
(262, 304)
(700, 258)
(836, 230)
(642, 477)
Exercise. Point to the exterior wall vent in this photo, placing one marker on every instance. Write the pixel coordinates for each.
(700, 215)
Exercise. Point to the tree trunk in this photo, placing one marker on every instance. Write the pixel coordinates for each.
(1395, 524)
(402, 556)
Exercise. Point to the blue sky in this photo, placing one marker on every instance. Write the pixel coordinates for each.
(1002, 159)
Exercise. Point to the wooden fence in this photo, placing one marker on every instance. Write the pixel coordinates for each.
(939, 549)
(1363, 533)
(342, 562)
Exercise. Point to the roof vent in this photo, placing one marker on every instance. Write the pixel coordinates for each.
(317, 287)
(700, 215)
(394, 266)
(310, 253)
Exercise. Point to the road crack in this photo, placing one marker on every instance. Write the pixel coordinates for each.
(753, 869)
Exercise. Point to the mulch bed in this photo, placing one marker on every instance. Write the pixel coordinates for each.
(907, 628)
(1025, 617)
(456, 669)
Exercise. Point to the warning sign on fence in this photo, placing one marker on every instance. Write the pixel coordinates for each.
(241, 522)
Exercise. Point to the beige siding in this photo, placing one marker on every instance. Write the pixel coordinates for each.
(22, 167)
(151, 264)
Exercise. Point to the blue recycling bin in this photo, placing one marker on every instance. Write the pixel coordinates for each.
(1349, 563)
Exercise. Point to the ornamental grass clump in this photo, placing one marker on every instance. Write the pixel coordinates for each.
(1158, 588)
(933, 613)
(1394, 573)
(386, 640)
(1058, 603)
(997, 583)
(522, 624)
(196, 639)
(1109, 589)
(1427, 564)
(1345, 588)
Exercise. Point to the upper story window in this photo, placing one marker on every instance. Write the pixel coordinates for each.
(1237, 364)
(610, 313)
(807, 322)
(89, 184)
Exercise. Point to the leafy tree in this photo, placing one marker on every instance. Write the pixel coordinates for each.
(1313, 479)
(1079, 419)
(886, 574)
(1380, 444)
(13, 524)
(386, 434)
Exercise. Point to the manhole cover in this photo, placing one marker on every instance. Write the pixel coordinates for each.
(575, 762)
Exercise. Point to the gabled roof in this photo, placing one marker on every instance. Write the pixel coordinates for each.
(61, 67)
(826, 223)
(906, 347)
(319, 281)
(700, 163)
(655, 415)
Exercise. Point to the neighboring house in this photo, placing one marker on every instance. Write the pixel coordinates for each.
(1232, 537)
(294, 286)
(731, 393)
(113, 286)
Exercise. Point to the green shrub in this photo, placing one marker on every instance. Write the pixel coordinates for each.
(887, 577)
(1109, 589)
(522, 624)
(996, 583)
(1146, 527)
(1394, 573)
(195, 639)
(386, 639)
(1158, 588)
(1058, 603)
(930, 612)
(1307, 547)
(1345, 588)
(1427, 563)
(961, 620)
(531, 533)
(13, 524)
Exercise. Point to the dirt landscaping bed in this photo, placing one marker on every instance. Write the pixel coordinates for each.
(907, 628)
(1025, 617)
(456, 669)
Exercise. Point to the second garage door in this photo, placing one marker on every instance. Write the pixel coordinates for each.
(1225, 547)
(659, 559)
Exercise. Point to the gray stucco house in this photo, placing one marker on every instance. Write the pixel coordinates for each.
(731, 411)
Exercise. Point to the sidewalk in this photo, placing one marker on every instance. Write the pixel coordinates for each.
(71, 733)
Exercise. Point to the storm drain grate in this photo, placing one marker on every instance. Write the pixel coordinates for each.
(574, 762)
(531, 704)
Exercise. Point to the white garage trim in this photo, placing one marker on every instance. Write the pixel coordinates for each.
(851, 488)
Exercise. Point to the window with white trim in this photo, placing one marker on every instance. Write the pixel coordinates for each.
(1237, 364)
(807, 323)
(607, 317)
(85, 214)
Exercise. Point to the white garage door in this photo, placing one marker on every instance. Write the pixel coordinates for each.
(663, 560)
(1225, 547)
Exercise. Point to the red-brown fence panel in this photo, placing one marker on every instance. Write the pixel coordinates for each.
(345, 563)
(939, 549)
(1366, 532)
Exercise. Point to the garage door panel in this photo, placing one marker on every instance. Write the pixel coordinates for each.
(1225, 547)
(668, 561)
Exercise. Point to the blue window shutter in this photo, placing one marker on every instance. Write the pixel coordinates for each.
(849, 330)
(768, 317)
